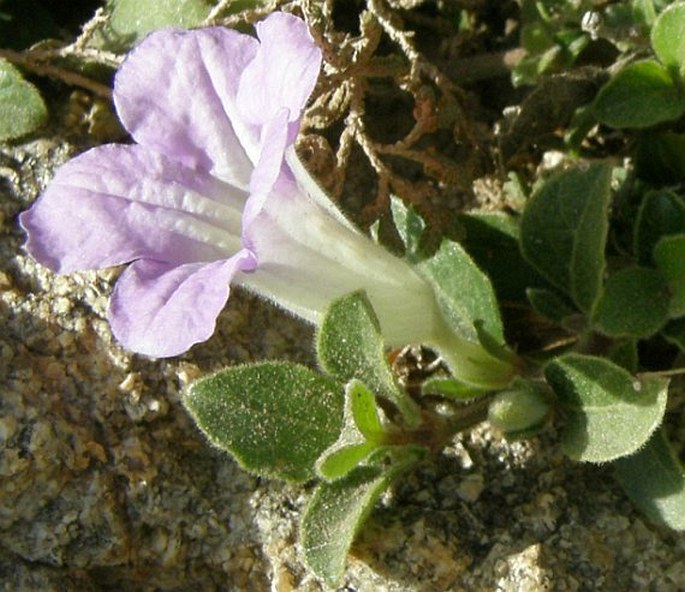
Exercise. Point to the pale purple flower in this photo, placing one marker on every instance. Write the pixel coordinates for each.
(212, 112)
(212, 192)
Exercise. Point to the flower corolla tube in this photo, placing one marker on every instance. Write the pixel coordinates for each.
(212, 193)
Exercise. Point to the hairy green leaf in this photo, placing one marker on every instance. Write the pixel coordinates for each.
(639, 96)
(660, 157)
(550, 304)
(668, 40)
(464, 292)
(338, 509)
(131, 20)
(364, 410)
(275, 418)
(633, 303)
(361, 434)
(661, 213)
(609, 413)
(654, 480)
(349, 345)
(564, 230)
(21, 107)
(492, 240)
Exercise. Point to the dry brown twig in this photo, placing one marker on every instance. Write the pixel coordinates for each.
(352, 61)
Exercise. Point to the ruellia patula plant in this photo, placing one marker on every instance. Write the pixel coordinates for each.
(211, 193)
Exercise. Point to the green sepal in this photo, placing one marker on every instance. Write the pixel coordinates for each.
(22, 109)
(654, 480)
(634, 303)
(337, 511)
(275, 418)
(493, 345)
(350, 346)
(452, 389)
(608, 412)
(564, 230)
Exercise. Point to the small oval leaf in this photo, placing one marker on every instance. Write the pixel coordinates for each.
(654, 480)
(609, 413)
(276, 419)
(564, 229)
(333, 517)
(668, 40)
(350, 346)
(337, 510)
(639, 96)
(661, 213)
(21, 107)
(633, 303)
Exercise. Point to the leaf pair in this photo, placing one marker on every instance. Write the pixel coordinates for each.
(608, 414)
(287, 421)
(563, 235)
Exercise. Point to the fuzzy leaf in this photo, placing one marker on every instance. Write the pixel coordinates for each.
(492, 240)
(349, 345)
(654, 480)
(131, 20)
(463, 292)
(668, 40)
(633, 303)
(564, 230)
(275, 418)
(364, 410)
(661, 213)
(550, 304)
(660, 157)
(340, 461)
(362, 433)
(21, 107)
(639, 96)
(337, 511)
(609, 413)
